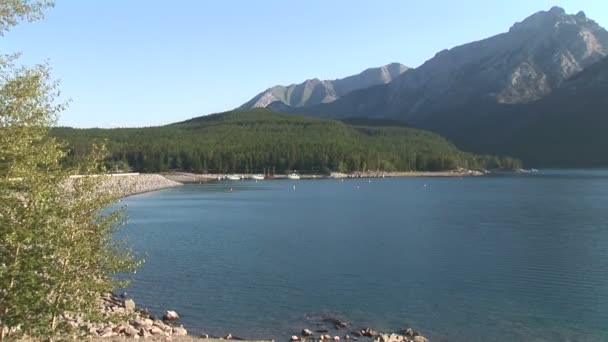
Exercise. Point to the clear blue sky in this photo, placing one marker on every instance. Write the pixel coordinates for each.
(137, 63)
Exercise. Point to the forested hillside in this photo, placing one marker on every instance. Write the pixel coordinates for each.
(252, 140)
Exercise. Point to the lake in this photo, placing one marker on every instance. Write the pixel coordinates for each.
(504, 257)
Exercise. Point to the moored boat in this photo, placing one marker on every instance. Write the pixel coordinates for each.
(293, 176)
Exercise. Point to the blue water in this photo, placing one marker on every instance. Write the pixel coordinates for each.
(505, 257)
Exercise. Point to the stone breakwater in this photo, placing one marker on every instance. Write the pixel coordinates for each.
(123, 185)
(137, 184)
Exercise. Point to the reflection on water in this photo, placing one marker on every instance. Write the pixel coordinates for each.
(472, 259)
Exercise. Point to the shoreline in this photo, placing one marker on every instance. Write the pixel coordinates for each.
(126, 322)
(129, 184)
(201, 178)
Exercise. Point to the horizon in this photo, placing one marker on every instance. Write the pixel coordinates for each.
(138, 73)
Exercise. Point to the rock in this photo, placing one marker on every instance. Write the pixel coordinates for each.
(179, 331)
(392, 338)
(322, 331)
(326, 337)
(145, 313)
(156, 330)
(346, 337)
(420, 338)
(228, 337)
(107, 332)
(204, 336)
(369, 332)
(131, 331)
(119, 328)
(336, 338)
(357, 333)
(294, 338)
(170, 316)
(129, 305)
(306, 332)
(336, 322)
(409, 332)
(123, 295)
(143, 332)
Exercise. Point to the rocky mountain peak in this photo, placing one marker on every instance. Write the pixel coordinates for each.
(315, 91)
(551, 19)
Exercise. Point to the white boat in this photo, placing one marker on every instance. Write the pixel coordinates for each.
(293, 176)
(233, 177)
(257, 177)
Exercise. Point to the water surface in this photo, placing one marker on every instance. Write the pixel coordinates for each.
(461, 259)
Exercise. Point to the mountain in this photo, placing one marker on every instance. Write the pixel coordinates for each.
(523, 92)
(252, 140)
(566, 128)
(519, 66)
(315, 91)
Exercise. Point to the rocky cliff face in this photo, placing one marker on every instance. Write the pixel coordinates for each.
(520, 66)
(315, 91)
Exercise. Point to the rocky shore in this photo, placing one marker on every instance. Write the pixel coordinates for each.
(202, 178)
(120, 320)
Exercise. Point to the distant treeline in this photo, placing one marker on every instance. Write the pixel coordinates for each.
(253, 140)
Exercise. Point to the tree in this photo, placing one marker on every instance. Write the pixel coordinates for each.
(56, 247)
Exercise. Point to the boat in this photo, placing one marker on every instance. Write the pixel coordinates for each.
(293, 176)
(257, 177)
(233, 177)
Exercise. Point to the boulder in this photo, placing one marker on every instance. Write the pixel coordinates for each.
(294, 338)
(420, 338)
(119, 328)
(129, 305)
(170, 316)
(143, 332)
(179, 331)
(392, 338)
(107, 332)
(228, 337)
(131, 331)
(410, 332)
(336, 338)
(156, 330)
(306, 332)
(369, 332)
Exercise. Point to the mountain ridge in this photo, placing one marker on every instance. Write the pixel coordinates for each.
(315, 91)
(518, 66)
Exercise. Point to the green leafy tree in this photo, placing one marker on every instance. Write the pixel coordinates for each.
(56, 247)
